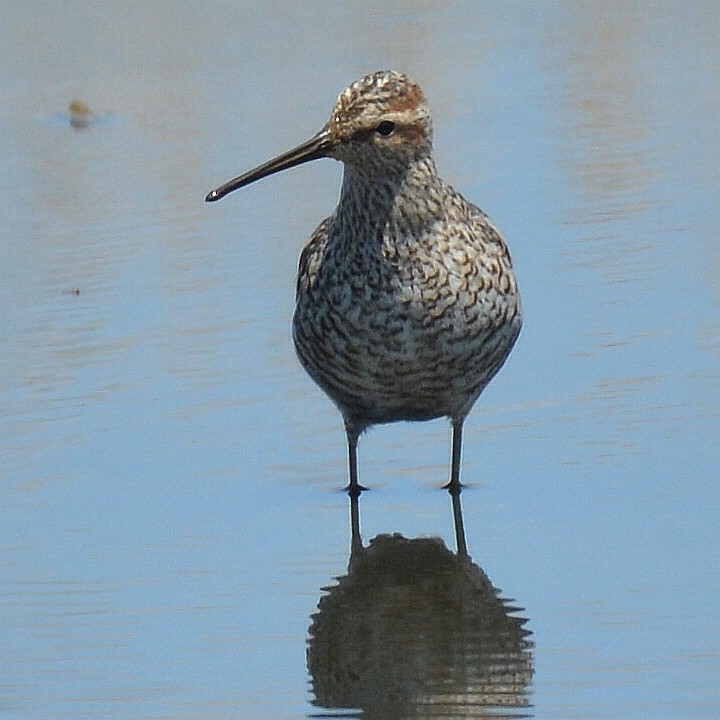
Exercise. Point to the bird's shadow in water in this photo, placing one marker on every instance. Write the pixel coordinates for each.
(414, 630)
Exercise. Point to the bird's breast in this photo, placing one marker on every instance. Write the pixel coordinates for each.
(403, 320)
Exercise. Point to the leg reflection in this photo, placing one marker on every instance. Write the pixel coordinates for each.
(460, 543)
(355, 540)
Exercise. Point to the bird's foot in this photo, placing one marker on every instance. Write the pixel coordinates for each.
(355, 490)
(454, 488)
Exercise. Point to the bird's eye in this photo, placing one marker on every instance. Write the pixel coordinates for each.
(385, 128)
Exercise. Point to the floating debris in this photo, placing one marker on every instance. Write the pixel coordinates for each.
(80, 114)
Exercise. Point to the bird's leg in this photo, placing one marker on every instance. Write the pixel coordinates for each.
(354, 488)
(454, 485)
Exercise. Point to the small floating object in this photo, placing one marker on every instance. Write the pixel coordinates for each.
(80, 114)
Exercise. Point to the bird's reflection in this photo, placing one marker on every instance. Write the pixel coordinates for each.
(416, 631)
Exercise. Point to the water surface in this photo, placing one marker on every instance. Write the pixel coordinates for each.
(172, 526)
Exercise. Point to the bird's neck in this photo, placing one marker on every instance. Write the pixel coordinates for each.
(373, 204)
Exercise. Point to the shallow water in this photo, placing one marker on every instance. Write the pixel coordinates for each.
(172, 527)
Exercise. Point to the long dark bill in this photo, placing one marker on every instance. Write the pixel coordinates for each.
(312, 149)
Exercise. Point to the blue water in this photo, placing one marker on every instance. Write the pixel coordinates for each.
(170, 476)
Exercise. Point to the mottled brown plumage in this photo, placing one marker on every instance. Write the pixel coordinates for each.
(407, 304)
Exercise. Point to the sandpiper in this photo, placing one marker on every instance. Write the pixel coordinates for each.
(406, 305)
